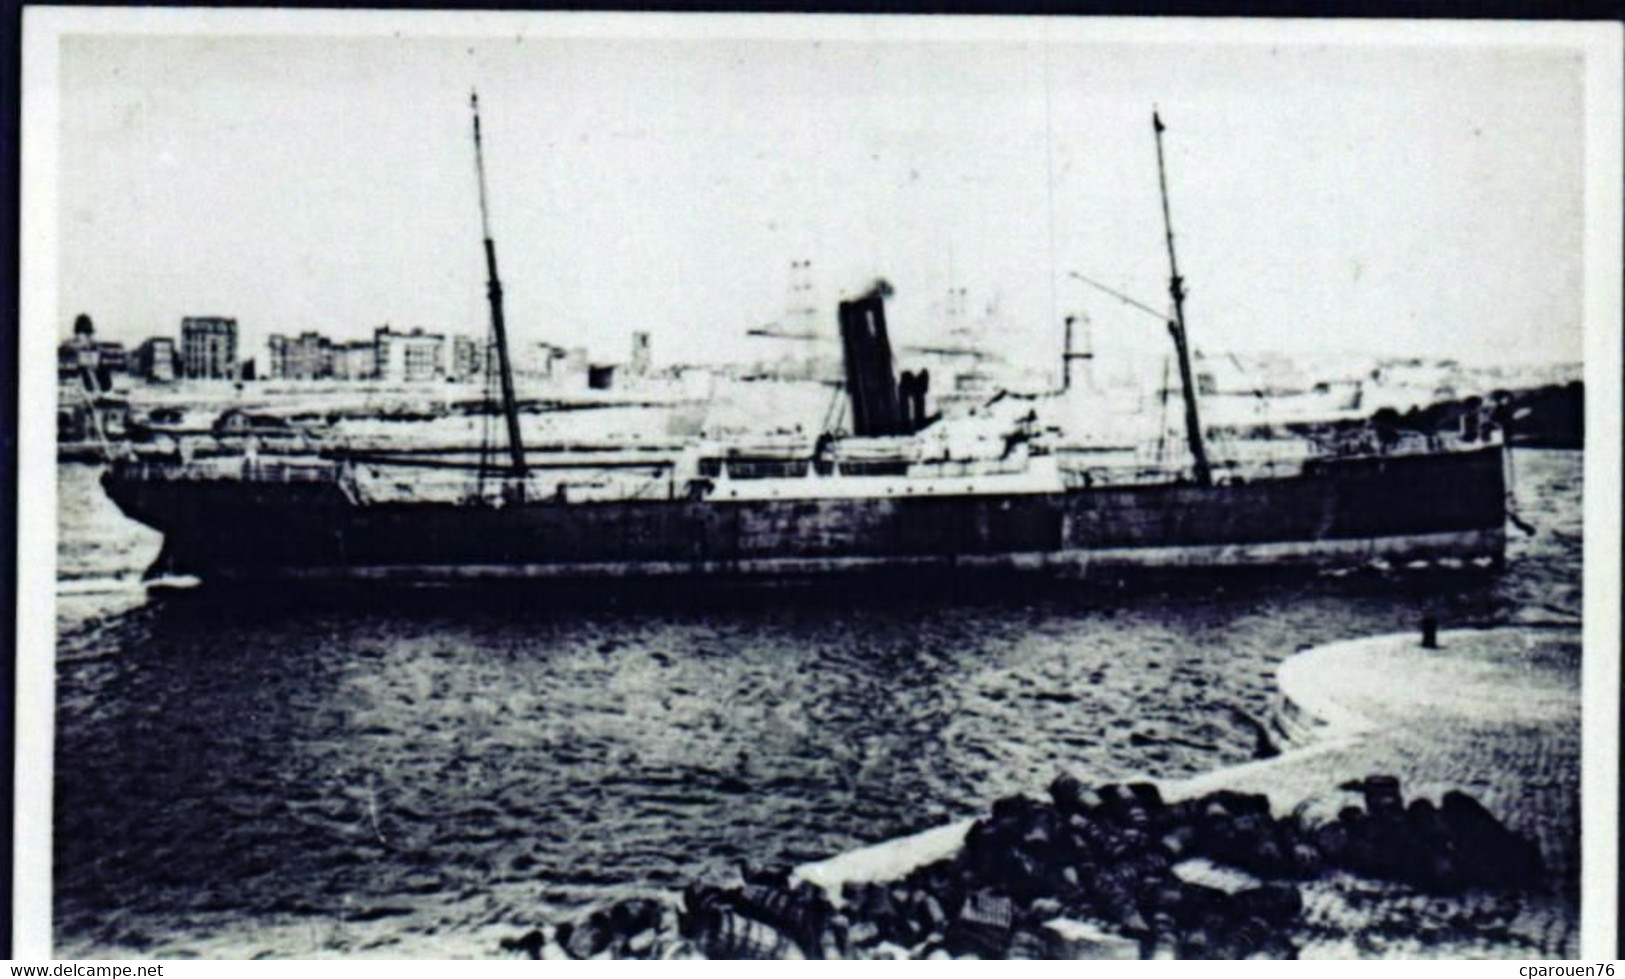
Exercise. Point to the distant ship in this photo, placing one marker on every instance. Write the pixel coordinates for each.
(903, 490)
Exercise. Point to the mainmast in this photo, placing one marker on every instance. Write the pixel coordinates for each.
(510, 408)
(1176, 327)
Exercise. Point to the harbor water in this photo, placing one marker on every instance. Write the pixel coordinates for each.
(423, 772)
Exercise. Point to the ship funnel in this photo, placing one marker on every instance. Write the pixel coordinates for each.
(866, 351)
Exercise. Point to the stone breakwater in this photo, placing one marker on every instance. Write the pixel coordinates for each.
(1316, 852)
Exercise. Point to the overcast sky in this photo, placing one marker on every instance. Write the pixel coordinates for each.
(1422, 201)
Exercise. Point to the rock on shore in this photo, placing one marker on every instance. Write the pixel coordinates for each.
(1111, 871)
(1273, 859)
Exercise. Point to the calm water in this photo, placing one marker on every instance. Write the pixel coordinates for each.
(421, 774)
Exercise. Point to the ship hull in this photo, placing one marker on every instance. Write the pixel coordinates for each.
(1397, 509)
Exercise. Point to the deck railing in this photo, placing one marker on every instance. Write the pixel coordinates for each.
(228, 470)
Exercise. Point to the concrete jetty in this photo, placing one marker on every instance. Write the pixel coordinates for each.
(1494, 713)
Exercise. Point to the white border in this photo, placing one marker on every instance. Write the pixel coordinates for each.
(1599, 672)
(43, 27)
(36, 497)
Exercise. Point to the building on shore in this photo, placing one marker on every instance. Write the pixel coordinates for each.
(307, 357)
(276, 357)
(67, 360)
(209, 348)
(82, 355)
(356, 360)
(413, 356)
(638, 366)
(87, 408)
(85, 417)
(391, 355)
(538, 360)
(156, 361)
(467, 359)
(575, 361)
(114, 359)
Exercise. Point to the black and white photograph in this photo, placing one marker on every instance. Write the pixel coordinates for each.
(779, 486)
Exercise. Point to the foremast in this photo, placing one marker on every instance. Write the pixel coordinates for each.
(1176, 326)
(510, 407)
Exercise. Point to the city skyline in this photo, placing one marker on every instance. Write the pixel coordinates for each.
(1399, 202)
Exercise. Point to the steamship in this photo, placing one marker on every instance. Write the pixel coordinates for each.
(903, 490)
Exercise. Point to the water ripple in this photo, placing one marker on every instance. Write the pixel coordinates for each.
(302, 775)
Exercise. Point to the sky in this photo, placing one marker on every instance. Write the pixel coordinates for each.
(1398, 200)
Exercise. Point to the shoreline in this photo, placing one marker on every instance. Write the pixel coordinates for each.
(1343, 915)
(1335, 730)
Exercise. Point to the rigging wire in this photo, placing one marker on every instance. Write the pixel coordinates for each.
(1162, 421)
(89, 390)
(836, 412)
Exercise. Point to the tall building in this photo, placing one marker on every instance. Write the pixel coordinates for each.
(355, 361)
(209, 347)
(318, 353)
(276, 357)
(409, 356)
(155, 360)
(307, 357)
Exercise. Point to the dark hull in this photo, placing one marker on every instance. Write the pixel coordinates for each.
(1400, 508)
